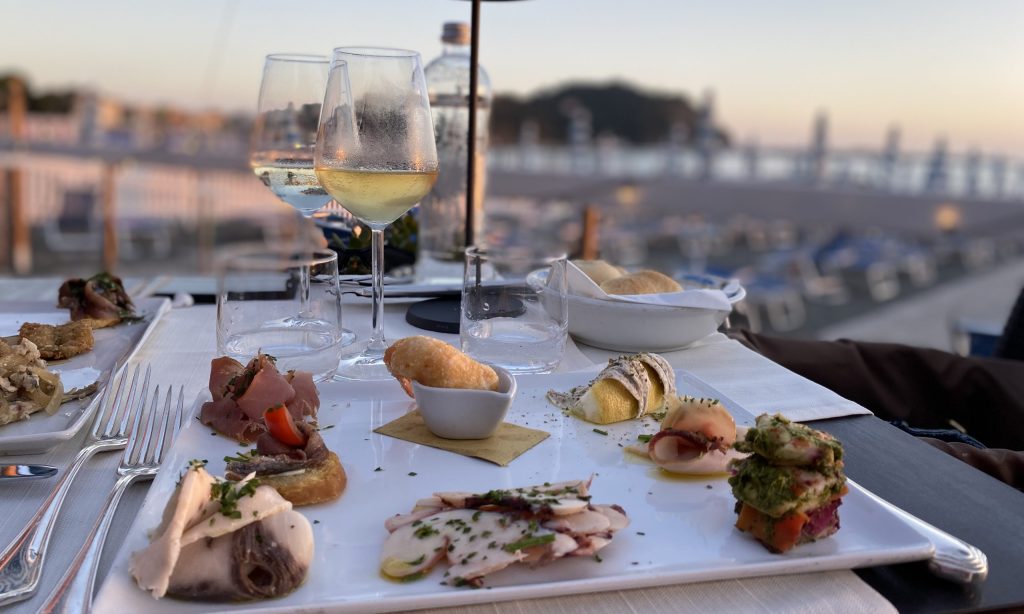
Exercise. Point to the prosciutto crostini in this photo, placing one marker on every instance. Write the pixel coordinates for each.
(242, 393)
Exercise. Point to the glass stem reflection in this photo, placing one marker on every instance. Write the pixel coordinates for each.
(377, 343)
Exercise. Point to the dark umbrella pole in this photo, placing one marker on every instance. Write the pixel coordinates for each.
(474, 63)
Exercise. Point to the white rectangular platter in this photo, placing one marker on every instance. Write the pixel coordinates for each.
(41, 433)
(681, 529)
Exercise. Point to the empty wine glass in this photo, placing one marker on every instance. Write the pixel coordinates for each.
(375, 155)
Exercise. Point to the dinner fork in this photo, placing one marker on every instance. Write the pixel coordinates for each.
(141, 460)
(21, 562)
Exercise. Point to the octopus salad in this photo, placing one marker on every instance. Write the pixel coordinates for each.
(478, 534)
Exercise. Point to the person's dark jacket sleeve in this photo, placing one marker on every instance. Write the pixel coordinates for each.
(1004, 465)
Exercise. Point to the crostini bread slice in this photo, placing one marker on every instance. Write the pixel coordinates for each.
(322, 482)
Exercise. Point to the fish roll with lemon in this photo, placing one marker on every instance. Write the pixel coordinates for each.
(629, 387)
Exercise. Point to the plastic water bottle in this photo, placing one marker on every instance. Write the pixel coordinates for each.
(442, 213)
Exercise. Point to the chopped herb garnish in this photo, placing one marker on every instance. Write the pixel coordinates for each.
(530, 542)
(598, 558)
(229, 493)
(425, 531)
(243, 457)
(417, 561)
(412, 473)
(644, 438)
(378, 469)
(600, 432)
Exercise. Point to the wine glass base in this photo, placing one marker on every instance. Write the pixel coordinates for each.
(347, 337)
(364, 364)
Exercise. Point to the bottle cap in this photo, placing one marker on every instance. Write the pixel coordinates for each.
(455, 33)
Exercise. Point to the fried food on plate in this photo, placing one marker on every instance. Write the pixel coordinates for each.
(59, 342)
(25, 385)
(100, 300)
(641, 282)
(432, 362)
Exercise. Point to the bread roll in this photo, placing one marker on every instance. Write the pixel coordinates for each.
(598, 270)
(641, 282)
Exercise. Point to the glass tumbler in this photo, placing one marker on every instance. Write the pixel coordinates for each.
(282, 302)
(514, 310)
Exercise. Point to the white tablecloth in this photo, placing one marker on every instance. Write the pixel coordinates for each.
(180, 350)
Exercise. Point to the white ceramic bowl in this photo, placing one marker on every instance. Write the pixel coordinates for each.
(636, 327)
(455, 413)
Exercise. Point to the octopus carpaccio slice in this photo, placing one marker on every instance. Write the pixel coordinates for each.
(258, 549)
(479, 534)
(558, 499)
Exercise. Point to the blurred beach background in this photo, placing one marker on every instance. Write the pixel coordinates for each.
(859, 167)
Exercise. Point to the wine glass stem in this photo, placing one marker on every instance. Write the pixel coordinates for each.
(301, 224)
(377, 343)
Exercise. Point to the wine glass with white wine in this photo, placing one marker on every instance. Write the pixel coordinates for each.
(284, 135)
(375, 155)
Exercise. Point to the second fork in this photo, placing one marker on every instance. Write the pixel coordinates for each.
(141, 460)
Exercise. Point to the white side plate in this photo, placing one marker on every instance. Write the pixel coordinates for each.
(681, 529)
(41, 433)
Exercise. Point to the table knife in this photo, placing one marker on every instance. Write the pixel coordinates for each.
(26, 472)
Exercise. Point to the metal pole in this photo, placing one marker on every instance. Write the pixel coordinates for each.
(108, 185)
(20, 235)
(474, 63)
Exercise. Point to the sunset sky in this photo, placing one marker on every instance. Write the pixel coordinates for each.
(939, 67)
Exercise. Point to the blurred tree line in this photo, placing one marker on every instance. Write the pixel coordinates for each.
(44, 102)
(635, 116)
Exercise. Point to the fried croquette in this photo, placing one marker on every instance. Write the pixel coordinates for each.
(432, 362)
(59, 342)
